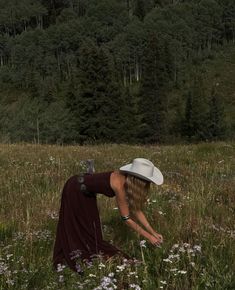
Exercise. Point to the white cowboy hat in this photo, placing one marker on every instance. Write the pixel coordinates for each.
(145, 169)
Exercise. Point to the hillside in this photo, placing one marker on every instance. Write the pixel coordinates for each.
(116, 71)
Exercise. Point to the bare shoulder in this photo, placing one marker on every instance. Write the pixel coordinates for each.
(117, 181)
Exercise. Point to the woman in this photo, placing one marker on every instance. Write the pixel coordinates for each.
(79, 232)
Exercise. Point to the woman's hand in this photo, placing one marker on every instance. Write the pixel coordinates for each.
(158, 236)
(155, 240)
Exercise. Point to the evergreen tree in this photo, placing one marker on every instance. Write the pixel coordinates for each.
(195, 123)
(99, 97)
(153, 116)
(216, 123)
(187, 126)
(139, 10)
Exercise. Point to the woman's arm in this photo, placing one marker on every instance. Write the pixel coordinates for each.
(117, 184)
(143, 220)
(124, 211)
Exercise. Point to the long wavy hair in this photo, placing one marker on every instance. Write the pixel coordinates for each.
(137, 192)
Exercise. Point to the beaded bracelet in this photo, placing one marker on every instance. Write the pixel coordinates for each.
(126, 217)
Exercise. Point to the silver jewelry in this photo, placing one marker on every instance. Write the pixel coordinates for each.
(125, 217)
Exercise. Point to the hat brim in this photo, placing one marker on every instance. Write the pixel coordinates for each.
(157, 177)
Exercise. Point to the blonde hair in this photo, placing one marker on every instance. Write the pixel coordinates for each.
(137, 192)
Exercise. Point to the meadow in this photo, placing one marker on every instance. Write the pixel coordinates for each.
(194, 211)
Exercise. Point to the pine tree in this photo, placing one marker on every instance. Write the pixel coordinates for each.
(187, 127)
(99, 100)
(195, 123)
(216, 123)
(152, 98)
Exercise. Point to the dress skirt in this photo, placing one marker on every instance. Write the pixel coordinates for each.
(79, 235)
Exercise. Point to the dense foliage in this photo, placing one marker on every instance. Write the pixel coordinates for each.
(78, 71)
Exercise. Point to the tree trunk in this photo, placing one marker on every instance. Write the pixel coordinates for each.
(129, 8)
(137, 70)
(38, 133)
(124, 75)
(130, 72)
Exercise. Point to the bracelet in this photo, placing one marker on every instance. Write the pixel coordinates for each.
(125, 217)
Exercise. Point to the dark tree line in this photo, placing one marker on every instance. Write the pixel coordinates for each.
(78, 71)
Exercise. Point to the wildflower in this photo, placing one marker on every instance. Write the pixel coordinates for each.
(92, 275)
(10, 282)
(3, 267)
(175, 246)
(163, 282)
(182, 250)
(135, 286)
(53, 215)
(60, 267)
(107, 283)
(132, 273)
(142, 243)
(75, 254)
(190, 251)
(78, 268)
(182, 272)
(173, 269)
(8, 256)
(61, 278)
(197, 248)
(192, 263)
(111, 274)
(120, 268)
(101, 265)
(89, 264)
(52, 160)
(167, 260)
(173, 256)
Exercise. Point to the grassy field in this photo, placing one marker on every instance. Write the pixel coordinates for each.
(193, 210)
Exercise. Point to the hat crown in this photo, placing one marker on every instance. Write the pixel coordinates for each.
(143, 166)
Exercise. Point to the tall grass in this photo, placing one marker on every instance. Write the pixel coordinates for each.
(193, 210)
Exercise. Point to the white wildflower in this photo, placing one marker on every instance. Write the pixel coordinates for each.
(8, 256)
(135, 286)
(192, 263)
(173, 269)
(60, 267)
(182, 272)
(61, 278)
(142, 243)
(101, 265)
(182, 249)
(175, 246)
(167, 260)
(197, 248)
(186, 245)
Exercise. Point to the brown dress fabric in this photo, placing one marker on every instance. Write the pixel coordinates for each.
(79, 231)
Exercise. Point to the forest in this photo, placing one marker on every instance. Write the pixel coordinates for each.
(114, 71)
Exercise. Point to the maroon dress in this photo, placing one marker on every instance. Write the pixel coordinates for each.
(79, 234)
